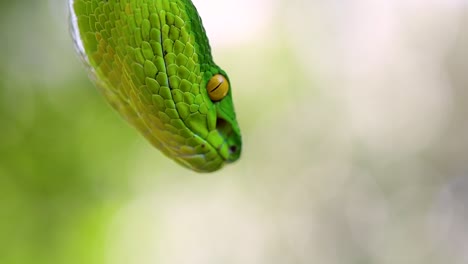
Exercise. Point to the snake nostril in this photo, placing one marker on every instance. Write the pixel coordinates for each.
(233, 149)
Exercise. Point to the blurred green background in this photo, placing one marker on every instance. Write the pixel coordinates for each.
(355, 142)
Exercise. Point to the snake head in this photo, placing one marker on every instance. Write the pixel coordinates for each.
(152, 62)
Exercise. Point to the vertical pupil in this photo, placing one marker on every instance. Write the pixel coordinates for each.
(214, 89)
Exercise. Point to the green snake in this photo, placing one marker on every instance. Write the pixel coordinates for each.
(152, 61)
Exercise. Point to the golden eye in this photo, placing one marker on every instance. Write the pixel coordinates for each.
(217, 87)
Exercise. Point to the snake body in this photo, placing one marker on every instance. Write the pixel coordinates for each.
(152, 61)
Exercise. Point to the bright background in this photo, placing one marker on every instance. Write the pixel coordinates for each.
(355, 125)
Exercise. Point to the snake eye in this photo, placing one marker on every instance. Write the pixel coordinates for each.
(217, 87)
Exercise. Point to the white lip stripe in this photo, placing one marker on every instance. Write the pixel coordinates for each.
(76, 32)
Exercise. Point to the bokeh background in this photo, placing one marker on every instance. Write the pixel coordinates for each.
(355, 125)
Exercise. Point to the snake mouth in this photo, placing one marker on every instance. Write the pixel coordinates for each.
(230, 149)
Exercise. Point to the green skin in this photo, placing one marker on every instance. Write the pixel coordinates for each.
(152, 61)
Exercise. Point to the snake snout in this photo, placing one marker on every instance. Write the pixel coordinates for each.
(232, 140)
(234, 153)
